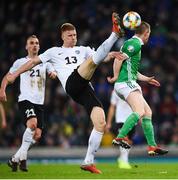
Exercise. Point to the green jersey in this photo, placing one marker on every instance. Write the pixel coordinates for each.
(129, 68)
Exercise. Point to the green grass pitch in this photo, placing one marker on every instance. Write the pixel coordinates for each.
(110, 171)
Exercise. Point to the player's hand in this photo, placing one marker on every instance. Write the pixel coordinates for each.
(3, 96)
(111, 79)
(52, 75)
(153, 81)
(108, 127)
(117, 55)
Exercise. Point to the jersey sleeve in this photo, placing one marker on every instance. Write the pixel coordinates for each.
(89, 52)
(16, 65)
(49, 67)
(130, 47)
(46, 56)
(114, 98)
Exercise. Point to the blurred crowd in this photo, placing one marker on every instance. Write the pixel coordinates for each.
(67, 124)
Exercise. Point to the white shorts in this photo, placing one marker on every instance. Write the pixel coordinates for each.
(123, 89)
(123, 110)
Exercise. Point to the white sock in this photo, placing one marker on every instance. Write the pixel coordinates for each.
(93, 145)
(104, 48)
(16, 157)
(27, 139)
(124, 154)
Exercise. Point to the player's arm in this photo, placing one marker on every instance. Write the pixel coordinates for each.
(4, 84)
(3, 116)
(127, 50)
(111, 112)
(151, 80)
(25, 67)
(5, 80)
(113, 54)
(116, 70)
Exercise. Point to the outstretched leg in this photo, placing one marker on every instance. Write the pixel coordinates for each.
(87, 68)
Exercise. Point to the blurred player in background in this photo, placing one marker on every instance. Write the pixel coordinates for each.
(75, 66)
(125, 76)
(3, 116)
(121, 110)
(31, 100)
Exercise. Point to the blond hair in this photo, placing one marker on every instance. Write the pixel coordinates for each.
(142, 28)
(67, 27)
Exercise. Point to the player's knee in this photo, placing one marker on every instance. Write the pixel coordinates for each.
(37, 134)
(101, 123)
(37, 137)
(98, 118)
(141, 112)
(32, 125)
(148, 113)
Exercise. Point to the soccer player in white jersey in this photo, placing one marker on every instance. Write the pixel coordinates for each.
(75, 66)
(121, 110)
(31, 100)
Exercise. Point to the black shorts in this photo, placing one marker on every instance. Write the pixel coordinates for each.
(130, 134)
(29, 110)
(81, 91)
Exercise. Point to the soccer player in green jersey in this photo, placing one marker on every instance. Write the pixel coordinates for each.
(125, 77)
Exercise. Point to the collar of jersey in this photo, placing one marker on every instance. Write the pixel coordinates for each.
(67, 47)
(141, 42)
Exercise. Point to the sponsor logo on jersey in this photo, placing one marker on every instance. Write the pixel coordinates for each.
(60, 53)
(130, 48)
(77, 52)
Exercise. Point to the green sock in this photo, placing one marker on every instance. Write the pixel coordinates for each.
(130, 122)
(148, 131)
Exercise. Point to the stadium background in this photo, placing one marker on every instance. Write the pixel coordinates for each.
(67, 124)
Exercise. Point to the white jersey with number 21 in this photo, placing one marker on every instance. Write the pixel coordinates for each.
(32, 82)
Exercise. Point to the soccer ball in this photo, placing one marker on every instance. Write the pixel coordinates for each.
(131, 20)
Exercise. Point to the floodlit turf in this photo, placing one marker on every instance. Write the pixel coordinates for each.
(110, 171)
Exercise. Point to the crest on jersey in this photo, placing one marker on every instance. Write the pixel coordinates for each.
(77, 52)
(130, 48)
